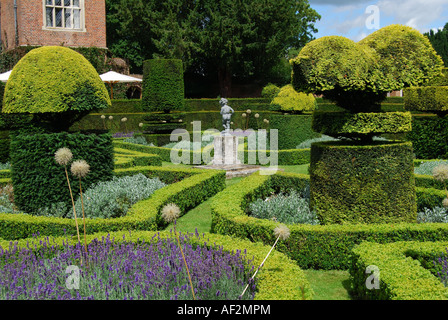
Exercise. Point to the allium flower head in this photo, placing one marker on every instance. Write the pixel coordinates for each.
(445, 202)
(140, 124)
(103, 116)
(124, 119)
(111, 117)
(248, 111)
(282, 231)
(440, 172)
(63, 156)
(244, 115)
(170, 212)
(256, 115)
(80, 168)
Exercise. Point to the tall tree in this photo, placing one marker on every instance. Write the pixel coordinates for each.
(224, 39)
(439, 41)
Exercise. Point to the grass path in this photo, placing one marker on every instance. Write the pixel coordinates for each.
(329, 284)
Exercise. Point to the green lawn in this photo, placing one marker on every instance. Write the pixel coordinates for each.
(329, 284)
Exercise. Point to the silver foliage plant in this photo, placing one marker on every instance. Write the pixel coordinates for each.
(434, 215)
(110, 199)
(427, 167)
(292, 208)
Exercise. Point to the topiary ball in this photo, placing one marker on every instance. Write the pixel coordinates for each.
(406, 57)
(289, 99)
(54, 79)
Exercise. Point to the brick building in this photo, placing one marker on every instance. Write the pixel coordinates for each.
(71, 23)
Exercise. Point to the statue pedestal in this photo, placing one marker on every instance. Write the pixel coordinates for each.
(226, 150)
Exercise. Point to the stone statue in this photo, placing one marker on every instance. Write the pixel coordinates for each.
(226, 112)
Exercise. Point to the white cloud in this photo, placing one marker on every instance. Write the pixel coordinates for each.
(414, 13)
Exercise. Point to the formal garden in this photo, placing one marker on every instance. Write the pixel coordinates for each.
(356, 208)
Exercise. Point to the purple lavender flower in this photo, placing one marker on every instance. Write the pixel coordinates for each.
(122, 270)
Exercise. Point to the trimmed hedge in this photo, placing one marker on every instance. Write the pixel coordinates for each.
(39, 181)
(429, 136)
(237, 104)
(163, 85)
(129, 158)
(348, 124)
(402, 273)
(195, 187)
(312, 246)
(279, 279)
(430, 99)
(285, 157)
(292, 129)
(363, 184)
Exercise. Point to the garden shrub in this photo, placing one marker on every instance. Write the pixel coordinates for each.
(339, 124)
(163, 85)
(363, 184)
(433, 215)
(292, 129)
(402, 272)
(57, 83)
(109, 199)
(285, 208)
(428, 145)
(129, 158)
(279, 279)
(290, 100)
(357, 77)
(39, 181)
(431, 99)
(270, 91)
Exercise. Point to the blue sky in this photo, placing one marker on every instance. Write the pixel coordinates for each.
(348, 17)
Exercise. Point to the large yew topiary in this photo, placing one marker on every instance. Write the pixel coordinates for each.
(163, 85)
(354, 179)
(57, 85)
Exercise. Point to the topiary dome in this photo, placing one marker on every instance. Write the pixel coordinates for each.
(357, 76)
(289, 99)
(54, 79)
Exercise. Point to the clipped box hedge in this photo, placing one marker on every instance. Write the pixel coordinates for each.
(373, 123)
(432, 99)
(363, 183)
(279, 279)
(163, 85)
(130, 158)
(194, 187)
(406, 270)
(312, 246)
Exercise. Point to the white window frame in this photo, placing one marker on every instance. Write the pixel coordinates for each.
(63, 28)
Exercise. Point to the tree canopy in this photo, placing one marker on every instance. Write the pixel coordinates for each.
(439, 41)
(217, 40)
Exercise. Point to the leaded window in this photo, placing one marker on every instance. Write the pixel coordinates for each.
(64, 14)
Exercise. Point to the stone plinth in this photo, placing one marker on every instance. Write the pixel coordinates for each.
(226, 150)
